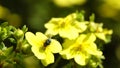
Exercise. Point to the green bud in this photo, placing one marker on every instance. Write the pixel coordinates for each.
(12, 40)
(80, 16)
(26, 48)
(92, 17)
(24, 28)
(19, 34)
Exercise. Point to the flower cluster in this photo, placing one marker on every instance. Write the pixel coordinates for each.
(79, 40)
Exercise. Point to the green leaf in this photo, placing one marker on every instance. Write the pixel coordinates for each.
(24, 28)
(12, 40)
(92, 18)
(8, 51)
(4, 24)
(2, 46)
(80, 16)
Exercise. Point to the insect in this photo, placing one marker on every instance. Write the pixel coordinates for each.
(47, 42)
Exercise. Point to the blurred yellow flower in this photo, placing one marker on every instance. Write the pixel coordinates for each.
(67, 27)
(81, 49)
(68, 3)
(12, 18)
(109, 9)
(4, 12)
(43, 47)
(113, 4)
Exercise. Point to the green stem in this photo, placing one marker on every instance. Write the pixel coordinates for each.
(56, 63)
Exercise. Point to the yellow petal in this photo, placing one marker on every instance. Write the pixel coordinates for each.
(40, 54)
(81, 26)
(41, 36)
(90, 38)
(69, 32)
(70, 18)
(106, 31)
(54, 46)
(101, 36)
(53, 23)
(32, 39)
(86, 38)
(52, 32)
(53, 26)
(68, 53)
(80, 59)
(48, 60)
(81, 38)
(50, 25)
(67, 43)
(90, 48)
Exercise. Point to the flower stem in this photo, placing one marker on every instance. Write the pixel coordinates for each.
(56, 63)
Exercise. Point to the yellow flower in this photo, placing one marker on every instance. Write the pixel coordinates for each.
(81, 49)
(99, 32)
(67, 27)
(43, 47)
(68, 3)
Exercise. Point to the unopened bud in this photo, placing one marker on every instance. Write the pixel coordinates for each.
(19, 33)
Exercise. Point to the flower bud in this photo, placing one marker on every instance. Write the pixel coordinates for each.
(26, 48)
(18, 34)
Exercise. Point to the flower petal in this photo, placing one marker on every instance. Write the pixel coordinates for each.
(32, 39)
(54, 46)
(48, 60)
(81, 38)
(90, 48)
(67, 43)
(39, 53)
(53, 23)
(101, 36)
(69, 32)
(81, 26)
(52, 31)
(68, 53)
(41, 36)
(50, 25)
(80, 59)
(90, 38)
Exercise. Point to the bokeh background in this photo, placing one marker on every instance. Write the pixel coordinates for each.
(35, 13)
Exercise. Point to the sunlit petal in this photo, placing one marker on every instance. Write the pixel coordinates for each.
(89, 38)
(80, 59)
(67, 43)
(39, 53)
(41, 36)
(54, 46)
(69, 32)
(32, 39)
(48, 60)
(52, 32)
(101, 36)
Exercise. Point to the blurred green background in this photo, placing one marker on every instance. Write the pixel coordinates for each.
(35, 13)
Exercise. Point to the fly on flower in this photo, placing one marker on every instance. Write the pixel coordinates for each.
(47, 42)
(43, 47)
